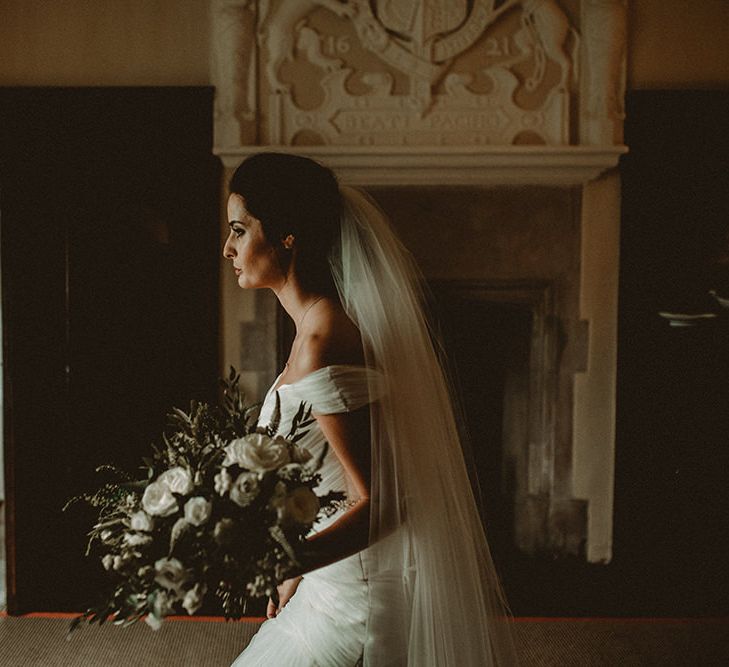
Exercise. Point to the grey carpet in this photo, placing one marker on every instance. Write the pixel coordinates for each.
(41, 642)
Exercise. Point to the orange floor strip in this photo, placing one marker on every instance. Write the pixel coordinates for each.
(518, 619)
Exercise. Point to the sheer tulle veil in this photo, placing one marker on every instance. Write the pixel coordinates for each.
(435, 597)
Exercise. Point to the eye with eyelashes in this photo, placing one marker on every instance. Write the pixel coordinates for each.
(237, 231)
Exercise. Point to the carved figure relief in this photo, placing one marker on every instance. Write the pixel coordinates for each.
(414, 72)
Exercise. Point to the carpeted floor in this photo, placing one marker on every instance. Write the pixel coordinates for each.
(40, 641)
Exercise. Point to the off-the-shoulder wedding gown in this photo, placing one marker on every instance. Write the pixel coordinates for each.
(324, 622)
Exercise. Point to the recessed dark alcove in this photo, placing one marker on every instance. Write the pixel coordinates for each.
(488, 348)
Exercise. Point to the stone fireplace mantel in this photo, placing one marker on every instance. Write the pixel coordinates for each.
(463, 165)
(497, 98)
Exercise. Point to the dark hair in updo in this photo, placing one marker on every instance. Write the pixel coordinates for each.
(292, 194)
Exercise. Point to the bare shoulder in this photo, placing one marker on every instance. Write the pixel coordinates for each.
(329, 338)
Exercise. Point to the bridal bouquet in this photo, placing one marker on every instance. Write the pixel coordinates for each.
(219, 515)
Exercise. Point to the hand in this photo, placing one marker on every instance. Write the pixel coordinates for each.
(285, 590)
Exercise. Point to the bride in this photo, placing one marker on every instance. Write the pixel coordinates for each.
(401, 574)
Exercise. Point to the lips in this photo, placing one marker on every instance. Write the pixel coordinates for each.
(237, 270)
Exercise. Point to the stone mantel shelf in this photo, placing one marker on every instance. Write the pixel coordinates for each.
(467, 165)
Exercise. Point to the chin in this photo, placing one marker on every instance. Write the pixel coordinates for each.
(245, 282)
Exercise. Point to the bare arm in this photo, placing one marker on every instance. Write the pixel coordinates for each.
(349, 436)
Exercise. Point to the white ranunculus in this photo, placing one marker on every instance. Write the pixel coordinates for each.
(257, 452)
(197, 510)
(107, 561)
(244, 489)
(118, 562)
(223, 482)
(141, 521)
(193, 598)
(177, 480)
(170, 573)
(301, 505)
(158, 500)
(134, 540)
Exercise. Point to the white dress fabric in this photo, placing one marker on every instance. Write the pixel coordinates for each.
(324, 622)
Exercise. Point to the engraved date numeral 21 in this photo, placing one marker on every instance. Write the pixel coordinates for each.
(498, 47)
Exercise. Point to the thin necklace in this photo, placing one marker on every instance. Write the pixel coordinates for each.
(309, 307)
(306, 312)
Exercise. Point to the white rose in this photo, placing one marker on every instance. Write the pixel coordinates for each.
(244, 489)
(134, 540)
(141, 521)
(170, 573)
(177, 480)
(193, 598)
(301, 505)
(223, 481)
(158, 500)
(107, 561)
(257, 452)
(197, 511)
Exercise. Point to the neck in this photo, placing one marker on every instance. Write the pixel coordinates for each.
(295, 299)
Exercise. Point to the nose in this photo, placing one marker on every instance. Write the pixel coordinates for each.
(228, 249)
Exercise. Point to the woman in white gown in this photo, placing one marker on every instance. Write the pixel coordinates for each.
(402, 573)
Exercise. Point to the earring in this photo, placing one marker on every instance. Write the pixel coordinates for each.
(288, 242)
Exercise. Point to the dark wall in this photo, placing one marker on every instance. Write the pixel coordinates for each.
(672, 449)
(109, 204)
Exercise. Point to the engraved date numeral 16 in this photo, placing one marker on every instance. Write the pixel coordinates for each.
(336, 44)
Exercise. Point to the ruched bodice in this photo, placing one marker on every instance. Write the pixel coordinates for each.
(328, 390)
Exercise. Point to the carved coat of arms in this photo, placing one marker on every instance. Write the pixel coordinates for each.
(430, 72)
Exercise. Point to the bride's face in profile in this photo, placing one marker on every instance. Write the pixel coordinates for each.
(254, 258)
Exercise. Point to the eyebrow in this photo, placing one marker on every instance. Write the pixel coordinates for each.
(237, 222)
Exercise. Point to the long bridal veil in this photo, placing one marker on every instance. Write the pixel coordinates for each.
(435, 597)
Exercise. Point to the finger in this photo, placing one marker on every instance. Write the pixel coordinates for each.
(271, 609)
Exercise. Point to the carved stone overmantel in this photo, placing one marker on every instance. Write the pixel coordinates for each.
(502, 94)
(391, 91)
